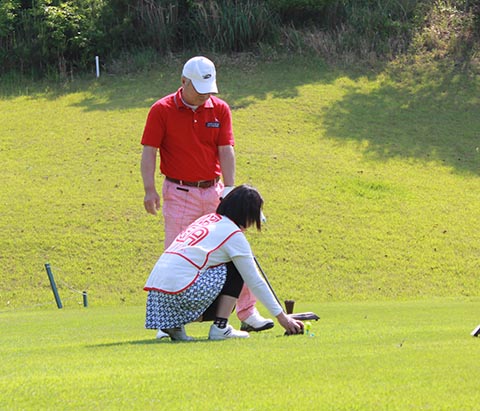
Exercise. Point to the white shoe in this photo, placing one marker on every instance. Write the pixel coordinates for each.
(225, 333)
(161, 334)
(256, 323)
(178, 334)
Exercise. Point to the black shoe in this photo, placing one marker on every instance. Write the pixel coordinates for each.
(256, 323)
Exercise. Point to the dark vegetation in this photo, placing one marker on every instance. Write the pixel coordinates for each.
(53, 38)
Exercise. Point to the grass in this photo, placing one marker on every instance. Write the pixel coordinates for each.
(371, 181)
(363, 356)
(372, 190)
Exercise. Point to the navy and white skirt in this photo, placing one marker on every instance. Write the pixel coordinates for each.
(174, 310)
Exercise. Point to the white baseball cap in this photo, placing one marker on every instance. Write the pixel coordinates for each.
(202, 73)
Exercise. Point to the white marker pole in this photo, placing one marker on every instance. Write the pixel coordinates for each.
(97, 66)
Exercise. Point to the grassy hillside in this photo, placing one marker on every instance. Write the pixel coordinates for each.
(371, 181)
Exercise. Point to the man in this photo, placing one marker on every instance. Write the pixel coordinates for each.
(192, 132)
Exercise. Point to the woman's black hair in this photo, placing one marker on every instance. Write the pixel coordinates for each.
(243, 206)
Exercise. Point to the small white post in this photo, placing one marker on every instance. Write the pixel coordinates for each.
(97, 66)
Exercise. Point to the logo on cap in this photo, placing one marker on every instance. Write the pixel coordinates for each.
(206, 76)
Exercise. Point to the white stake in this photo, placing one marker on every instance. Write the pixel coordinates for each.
(97, 65)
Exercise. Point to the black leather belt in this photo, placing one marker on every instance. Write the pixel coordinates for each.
(198, 184)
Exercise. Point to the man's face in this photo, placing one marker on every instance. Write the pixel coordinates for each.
(191, 96)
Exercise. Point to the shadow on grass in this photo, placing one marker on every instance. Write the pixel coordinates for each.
(421, 113)
(238, 79)
(424, 113)
(427, 116)
(150, 341)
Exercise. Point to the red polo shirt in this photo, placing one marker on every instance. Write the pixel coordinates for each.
(188, 140)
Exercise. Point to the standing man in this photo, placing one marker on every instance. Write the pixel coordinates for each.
(192, 132)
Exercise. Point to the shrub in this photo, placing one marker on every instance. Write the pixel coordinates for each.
(448, 29)
(59, 37)
(230, 25)
(302, 13)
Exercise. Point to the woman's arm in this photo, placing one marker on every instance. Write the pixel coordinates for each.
(248, 270)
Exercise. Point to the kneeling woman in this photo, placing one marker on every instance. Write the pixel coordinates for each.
(200, 276)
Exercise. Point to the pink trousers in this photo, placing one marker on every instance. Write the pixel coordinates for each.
(182, 205)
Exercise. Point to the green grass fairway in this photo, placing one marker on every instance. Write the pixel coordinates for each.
(363, 356)
(371, 181)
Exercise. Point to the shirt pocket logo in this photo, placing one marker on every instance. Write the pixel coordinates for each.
(213, 124)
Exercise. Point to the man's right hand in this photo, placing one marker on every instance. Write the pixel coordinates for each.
(151, 202)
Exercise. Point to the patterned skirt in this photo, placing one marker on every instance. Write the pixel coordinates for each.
(173, 310)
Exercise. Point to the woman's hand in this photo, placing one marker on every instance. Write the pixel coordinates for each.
(291, 326)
